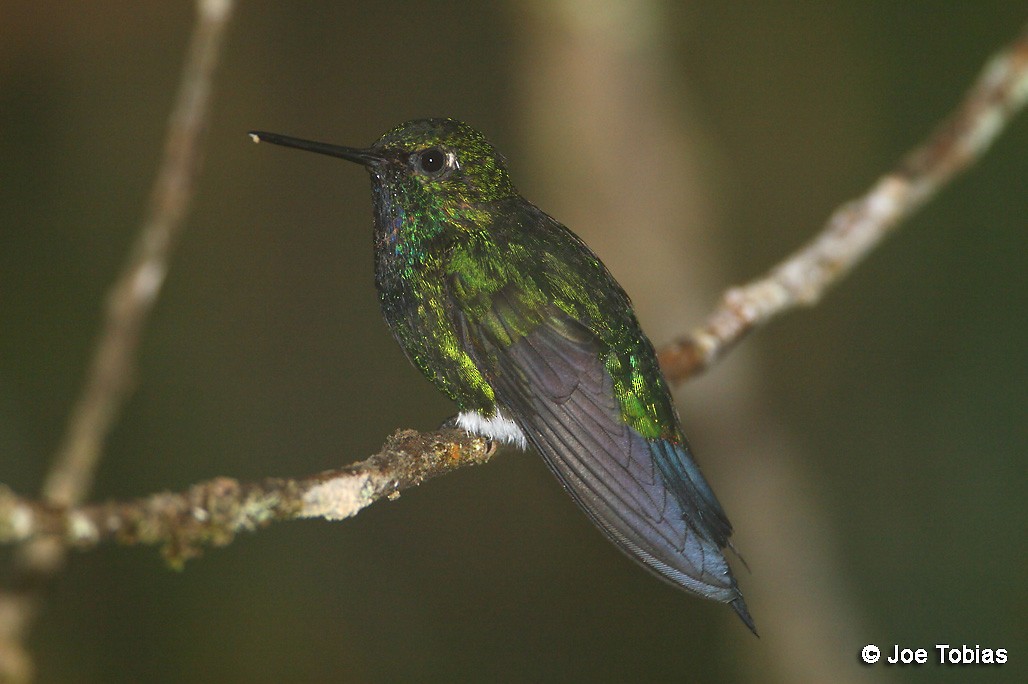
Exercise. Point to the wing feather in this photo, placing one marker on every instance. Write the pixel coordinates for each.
(647, 495)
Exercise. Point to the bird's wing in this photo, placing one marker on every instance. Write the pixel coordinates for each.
(648, 496)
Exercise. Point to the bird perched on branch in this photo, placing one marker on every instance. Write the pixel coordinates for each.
(513, 317)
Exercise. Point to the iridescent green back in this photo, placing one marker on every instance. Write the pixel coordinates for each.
(456, 242)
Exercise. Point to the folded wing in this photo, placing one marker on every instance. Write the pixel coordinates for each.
(647, 495)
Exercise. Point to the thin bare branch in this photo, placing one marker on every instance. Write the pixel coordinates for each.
(859, 226)
(133, 295)
(110, 377)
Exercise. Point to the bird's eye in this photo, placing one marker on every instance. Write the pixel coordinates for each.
(432, 161)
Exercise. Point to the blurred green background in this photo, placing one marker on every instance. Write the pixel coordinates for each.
(870, 452)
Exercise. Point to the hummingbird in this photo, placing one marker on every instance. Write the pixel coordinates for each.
(513, 317)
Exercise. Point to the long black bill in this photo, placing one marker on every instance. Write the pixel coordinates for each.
(363, 157)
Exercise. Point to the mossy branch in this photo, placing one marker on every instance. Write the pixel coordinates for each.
(212, 513)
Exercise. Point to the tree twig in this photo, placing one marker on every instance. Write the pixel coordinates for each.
(213, 512)
(859, 226)
(132, 296)
(129, 303)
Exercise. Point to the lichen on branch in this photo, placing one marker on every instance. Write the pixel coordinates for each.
(212, 513)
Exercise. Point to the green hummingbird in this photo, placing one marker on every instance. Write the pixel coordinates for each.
(513, 317)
